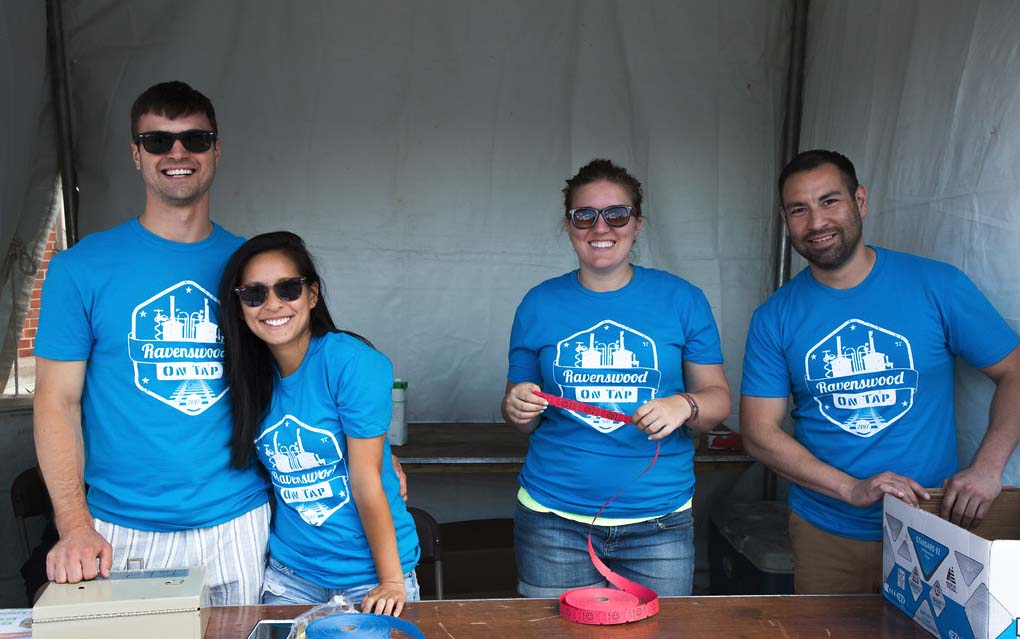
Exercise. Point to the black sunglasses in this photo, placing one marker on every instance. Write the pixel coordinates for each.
(287, 290)
(160, 142)
(585, 217)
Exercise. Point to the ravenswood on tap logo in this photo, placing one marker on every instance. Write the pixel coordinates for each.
(862, 376)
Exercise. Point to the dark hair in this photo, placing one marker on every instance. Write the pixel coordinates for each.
(808, 160)
(171, 100)
(248, 365)
(598, 170)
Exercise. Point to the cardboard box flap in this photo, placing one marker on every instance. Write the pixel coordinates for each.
(1002, 520)
(1004, 569)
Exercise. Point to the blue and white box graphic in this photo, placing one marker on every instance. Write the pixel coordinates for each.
(953, 583)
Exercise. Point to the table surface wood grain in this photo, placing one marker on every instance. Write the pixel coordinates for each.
(751, 617)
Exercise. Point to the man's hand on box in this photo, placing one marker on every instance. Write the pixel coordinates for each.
(969, 494)
(869, 490)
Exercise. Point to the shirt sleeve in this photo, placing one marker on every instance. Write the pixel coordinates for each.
(701, 336)
(974, 329)
(523, 357)
(364, 399)
(765, 373)
(65, 328)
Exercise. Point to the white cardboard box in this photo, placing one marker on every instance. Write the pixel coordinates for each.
(954, 583)
(154, 604)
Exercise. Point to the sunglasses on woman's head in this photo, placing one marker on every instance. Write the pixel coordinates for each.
(160, 142)
(586, 216)
(287, 290)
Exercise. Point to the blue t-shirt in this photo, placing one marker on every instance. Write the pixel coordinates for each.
(616, 350)
(340, 390)
(156, 419)
(871, 370)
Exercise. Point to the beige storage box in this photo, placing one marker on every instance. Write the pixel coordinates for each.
(154, 604)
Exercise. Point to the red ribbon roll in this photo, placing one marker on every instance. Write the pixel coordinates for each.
(606, 606)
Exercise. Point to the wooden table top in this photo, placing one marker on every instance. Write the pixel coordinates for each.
(787, 616)
(501, 448)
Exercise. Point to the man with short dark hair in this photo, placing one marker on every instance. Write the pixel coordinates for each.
(865, 339)
(130, 394)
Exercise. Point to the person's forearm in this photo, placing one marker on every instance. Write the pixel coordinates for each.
(791, 460)
(1003, 426)
(59, 449)
(377, 520)
(713, 407)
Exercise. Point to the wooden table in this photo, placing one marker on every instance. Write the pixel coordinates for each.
(790, 617)
(447, 448)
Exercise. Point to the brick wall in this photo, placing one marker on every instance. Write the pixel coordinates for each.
(26, 345)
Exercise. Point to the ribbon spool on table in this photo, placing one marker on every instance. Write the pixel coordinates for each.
(360, 626)
(606, 606)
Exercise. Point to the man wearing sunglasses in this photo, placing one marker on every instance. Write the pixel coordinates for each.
(130, 392)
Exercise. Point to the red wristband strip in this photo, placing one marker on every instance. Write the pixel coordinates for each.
(587, 409)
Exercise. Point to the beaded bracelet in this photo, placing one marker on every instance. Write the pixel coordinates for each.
(694, 408)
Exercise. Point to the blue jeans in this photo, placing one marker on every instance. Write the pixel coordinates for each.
(552, 553)
(282, 587)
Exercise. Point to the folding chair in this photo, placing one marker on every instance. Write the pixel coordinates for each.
(29, 498)
(430, 540)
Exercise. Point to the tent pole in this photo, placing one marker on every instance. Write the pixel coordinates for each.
(791, 129)
(791, 146)
(61, 95)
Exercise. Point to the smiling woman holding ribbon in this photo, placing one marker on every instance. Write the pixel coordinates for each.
(313, 404)
(625, 338)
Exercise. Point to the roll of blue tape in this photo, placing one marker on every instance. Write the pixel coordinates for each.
(360, 626)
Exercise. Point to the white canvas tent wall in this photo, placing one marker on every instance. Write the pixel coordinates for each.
(421, 147)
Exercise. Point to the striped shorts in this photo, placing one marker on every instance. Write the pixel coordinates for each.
(233, 553)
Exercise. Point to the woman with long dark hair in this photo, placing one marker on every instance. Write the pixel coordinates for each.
(312, 402)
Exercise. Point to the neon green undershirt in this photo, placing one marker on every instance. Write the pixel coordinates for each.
(529, 502)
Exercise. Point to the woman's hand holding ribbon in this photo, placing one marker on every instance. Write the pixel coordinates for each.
(521, 406)
(660, 417)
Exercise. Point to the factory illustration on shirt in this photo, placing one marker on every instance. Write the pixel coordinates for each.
(609, 365)
(862, 377)
(176, 348)
(303, 463)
